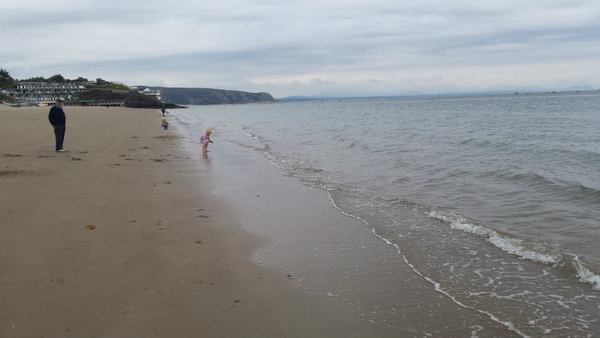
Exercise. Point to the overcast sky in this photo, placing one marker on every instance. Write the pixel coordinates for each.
(309, 47)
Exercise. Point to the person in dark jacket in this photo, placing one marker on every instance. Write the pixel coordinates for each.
(58, 120)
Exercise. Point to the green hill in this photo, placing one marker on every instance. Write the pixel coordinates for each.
(205, 96)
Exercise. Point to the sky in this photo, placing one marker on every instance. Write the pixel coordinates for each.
(309, 47)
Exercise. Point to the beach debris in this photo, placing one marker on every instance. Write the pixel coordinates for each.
(90, 227)
(76, 159)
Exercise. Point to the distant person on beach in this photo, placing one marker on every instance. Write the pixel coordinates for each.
(164, 124)
(163, 110)
(205, 140)
(58, 120)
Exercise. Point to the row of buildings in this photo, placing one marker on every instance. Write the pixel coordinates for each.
(43, 92)
(27, 92)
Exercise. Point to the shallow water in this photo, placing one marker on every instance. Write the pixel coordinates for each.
(495, 200)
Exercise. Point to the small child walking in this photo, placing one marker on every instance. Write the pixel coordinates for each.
(164, 124)
(205, 140)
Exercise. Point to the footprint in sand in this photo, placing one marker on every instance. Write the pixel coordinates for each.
(45, 156)
(12, 155)
(76, 159)
(202, 216)
(60, 281)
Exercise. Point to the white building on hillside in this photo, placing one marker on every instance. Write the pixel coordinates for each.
(149, 91)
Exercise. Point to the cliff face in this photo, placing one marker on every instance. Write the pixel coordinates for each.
(203, 96)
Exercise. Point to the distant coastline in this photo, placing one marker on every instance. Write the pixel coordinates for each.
(211, 96)
(440, 95)
(83, 92)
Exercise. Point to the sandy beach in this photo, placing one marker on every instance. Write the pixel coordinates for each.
(127, 235)
(163, 259)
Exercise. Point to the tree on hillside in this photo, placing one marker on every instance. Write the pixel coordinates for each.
(56, 78)
(6, 81)
(100, 82)
(80, 79)
(34, 79)
(4, 74)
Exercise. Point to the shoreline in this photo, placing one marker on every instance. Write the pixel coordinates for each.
(332, 254)
(119, 237)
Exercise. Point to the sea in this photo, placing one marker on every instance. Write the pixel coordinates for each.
(492, 199)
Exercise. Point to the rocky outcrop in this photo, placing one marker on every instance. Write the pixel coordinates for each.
(131, 99)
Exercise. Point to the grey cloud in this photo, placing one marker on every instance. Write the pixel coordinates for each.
(309, 46)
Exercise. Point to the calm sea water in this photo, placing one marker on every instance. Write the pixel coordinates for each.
(495, 200)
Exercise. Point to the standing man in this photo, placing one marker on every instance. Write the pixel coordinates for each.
(58, 120)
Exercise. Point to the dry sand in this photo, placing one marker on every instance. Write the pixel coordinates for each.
(117, 238)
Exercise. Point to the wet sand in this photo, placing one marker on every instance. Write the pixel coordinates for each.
(162, 259)
(331, 254)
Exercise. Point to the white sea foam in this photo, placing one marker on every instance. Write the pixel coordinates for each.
(436, 286)
(585, 275)
(511, 245)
